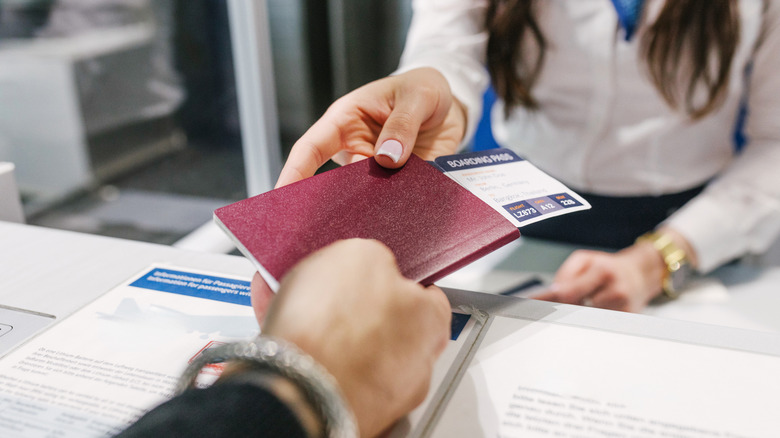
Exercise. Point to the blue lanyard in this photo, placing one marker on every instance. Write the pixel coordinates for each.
(628, 14)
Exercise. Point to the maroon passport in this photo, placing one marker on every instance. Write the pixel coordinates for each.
(433, 225)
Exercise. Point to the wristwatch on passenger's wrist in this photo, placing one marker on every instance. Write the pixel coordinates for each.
(678, 268)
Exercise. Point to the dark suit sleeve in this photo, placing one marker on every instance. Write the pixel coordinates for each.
(225, 410)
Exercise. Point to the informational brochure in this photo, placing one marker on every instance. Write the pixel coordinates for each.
(513, 367)
(599, 383)
(514, 187)
(95, 372)
(540, 370)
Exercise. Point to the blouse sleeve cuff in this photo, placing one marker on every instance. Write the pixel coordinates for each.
(721, 231)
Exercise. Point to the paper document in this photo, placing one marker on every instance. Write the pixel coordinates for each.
(98, 370)
(512, 368)
(544, 379)
(512, 186)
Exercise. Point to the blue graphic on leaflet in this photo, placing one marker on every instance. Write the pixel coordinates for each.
(459, 321)
(533, 208)
(227, 290)
(472, 160)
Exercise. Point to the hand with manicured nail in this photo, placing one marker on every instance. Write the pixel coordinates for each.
(388, 119)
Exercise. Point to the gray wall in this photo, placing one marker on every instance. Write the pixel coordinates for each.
(325, 48)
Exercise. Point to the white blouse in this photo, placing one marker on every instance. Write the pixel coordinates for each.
(602, 126)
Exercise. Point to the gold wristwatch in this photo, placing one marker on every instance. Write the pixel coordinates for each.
(678, 270)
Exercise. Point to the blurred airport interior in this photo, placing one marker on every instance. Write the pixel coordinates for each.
(121, 117)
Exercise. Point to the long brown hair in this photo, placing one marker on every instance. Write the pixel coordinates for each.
(690, 45)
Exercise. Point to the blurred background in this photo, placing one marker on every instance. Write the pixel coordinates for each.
(122, 116)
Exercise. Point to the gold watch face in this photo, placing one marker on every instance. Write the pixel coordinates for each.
(679, 271)
(679, 277)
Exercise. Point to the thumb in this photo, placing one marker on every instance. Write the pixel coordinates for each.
(421, 98)
(261, 296)
(397, 139)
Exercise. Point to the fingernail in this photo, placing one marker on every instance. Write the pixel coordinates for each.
(392, 149)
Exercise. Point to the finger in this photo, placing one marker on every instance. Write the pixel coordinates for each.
(412, 109)
(549, 294)
(575, 279)
(261, 296)
(574, 265)
(421, 392)
(320, 142)
(374, 250)
(574, 290)
(612, 301)
(345, 157)
(439, 298)
(440, 305)
(552, 293)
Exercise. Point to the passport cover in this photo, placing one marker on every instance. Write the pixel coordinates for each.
(432, 224)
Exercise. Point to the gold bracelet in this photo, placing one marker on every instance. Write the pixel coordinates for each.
(678, 269)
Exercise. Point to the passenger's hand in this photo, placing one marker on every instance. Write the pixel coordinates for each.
(387, 118)
(262, 296)
(377, 332)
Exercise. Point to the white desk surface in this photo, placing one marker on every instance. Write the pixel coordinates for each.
(56, 272)
(739, 295)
